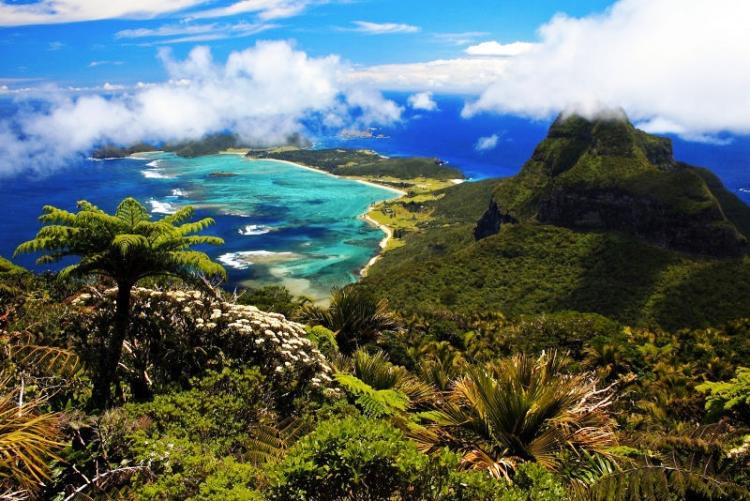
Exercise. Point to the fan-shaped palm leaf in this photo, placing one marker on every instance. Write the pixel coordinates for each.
(28, 441)
(520, 409)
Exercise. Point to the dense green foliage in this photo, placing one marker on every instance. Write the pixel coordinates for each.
(533, 268)
(545, 362)
(364, 163)
(729, 397)
(272, 298)
(354, 316)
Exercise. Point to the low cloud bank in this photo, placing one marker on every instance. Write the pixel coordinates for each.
(673, 65)
(265, 94)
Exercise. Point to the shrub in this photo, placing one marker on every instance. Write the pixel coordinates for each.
(179, 334)
(352, 457)
(190, 439)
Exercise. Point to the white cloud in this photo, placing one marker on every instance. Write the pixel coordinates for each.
(265, 9)
(263, 93)
(57, 45)
(384, 28)
(111, 87)
(67, 11)
(463, 38)
(422, 101)
(497, 49)
(487, 143)
(461, 76)
(679, 65)
(94, 64)
(181, 33)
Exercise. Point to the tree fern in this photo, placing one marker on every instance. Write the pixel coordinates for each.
(126, 246)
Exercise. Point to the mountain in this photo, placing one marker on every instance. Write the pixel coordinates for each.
(607, 175)
(601, 219)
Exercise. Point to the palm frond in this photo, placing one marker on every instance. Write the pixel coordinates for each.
(28, 443)
(520, 409)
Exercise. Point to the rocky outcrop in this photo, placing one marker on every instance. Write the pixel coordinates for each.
(705, 232)
(491, 221)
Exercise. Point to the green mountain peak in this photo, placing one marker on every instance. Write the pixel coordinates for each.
(604, 174)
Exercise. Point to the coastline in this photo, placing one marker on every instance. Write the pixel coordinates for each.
(383, 243)
(401, 193)
(366, 216)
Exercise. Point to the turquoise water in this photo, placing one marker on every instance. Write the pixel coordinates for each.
(282, 225)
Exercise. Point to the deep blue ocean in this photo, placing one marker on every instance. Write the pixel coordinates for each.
(284, 225)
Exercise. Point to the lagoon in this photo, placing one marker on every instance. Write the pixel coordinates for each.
(282, 224)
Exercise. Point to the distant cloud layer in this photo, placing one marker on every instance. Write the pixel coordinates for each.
(461, 75)
(264, 94)
(674, 65)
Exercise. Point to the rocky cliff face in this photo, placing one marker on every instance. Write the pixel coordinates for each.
(491, 221)
(606, 175)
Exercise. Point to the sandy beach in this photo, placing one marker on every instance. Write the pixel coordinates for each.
(383, 243)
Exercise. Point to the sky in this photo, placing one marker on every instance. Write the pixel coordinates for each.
(164, 70)
(80, 49)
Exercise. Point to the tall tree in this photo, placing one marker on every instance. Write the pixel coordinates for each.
(126, 246)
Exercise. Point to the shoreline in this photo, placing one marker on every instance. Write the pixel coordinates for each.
(373, 184)
(383, 243)
(365, 216)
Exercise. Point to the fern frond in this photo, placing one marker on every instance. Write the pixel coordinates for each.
(6, 267)
(269, 442)
(52, 214)
(199, 261)
(374, 403)
(127, 242)
(50, 359)
(180, 216)
(196, 226)
(85, 205)
(203, 240)
(131, 212)
(68, 271)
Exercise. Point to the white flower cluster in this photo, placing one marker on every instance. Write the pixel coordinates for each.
(282, 344)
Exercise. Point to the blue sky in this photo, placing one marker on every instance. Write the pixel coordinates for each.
(97, 51)
(85, 72)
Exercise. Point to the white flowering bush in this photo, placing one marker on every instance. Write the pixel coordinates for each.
(177, 334)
